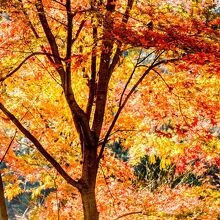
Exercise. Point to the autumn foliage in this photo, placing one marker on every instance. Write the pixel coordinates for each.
(80, 80)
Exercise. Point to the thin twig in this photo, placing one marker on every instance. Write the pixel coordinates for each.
(60, 22)
(21, 64)
(59, 3)
(108, 188)
(11, 142)
(52, 76)
(78, 31)
(129, 80)
(181, 112)
(130, 213)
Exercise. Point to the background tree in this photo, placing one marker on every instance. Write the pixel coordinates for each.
(72, 74)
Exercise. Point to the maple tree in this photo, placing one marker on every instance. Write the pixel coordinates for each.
(76, 76)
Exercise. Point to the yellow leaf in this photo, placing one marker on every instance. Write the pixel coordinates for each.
(152, 159)
(163, 164)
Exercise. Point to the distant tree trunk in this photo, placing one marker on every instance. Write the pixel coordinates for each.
(3, 210)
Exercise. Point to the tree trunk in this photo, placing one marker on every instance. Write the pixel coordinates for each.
(3, 210)
(89, 173)
(89, 204)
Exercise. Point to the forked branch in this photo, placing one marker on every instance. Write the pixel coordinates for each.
(51, 39)
(154, 64)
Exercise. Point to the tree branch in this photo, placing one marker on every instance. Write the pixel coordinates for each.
(79, 116)
(78, 31)
(130, 213)
(51, 39)
(106, 183)
(118, 50)
(67, 78)
(104, 74)
(92, 81)
(20, 65)
(40, 148)
(106, 68)
(133, 71)
(8, 147)
(154, 64)
(58, 2)
(34, 30)
(169, 87)
(170, 90)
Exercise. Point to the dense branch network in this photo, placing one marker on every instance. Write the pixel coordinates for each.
(89, 122)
